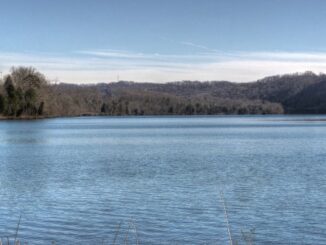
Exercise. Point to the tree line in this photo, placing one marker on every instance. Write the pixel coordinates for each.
(25, 92)
(144, 103)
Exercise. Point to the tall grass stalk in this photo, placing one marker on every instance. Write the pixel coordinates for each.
(117, 233)
(226, 217)
(17, 229)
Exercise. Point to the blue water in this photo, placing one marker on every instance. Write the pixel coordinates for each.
(74, 180)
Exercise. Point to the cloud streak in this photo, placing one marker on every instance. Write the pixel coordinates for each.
(198, 46)
(91, 66)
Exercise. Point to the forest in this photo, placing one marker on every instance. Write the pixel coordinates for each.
(27, 93)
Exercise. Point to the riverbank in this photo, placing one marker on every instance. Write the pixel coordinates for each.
(21, 118)
(26, 117)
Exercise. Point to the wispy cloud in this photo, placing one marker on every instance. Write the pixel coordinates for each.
(109, 53)
(88, 66)
(122, 54)
(199, 46)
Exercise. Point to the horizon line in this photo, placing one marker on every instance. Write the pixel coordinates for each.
(87, 67)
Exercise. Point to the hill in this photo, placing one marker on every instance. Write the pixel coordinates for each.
(26, 93)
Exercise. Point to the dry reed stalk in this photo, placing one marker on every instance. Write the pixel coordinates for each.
(117, 233)
(135, 230)
(247, 238)
(226, 217)
(17, 229)
(127, 234)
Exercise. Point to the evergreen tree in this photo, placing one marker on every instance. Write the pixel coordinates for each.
(2, 104)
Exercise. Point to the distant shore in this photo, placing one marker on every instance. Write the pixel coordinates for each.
(27, 117)
(3, 118)
(26, 94)
(30, 118)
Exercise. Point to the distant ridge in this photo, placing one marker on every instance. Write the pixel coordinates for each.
(26, 93)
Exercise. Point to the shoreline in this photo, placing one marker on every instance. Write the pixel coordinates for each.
(32, 118)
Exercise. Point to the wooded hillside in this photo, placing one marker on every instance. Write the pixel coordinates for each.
(26, 93)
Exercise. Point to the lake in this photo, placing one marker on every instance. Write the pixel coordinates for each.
(86, 180)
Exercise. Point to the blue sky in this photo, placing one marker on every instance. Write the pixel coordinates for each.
(160, 41)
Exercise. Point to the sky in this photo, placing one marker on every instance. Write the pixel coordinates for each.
(90, 41)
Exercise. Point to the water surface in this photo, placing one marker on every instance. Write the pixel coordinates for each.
(75, 179)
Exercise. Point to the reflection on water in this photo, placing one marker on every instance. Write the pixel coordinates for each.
(74, 180)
